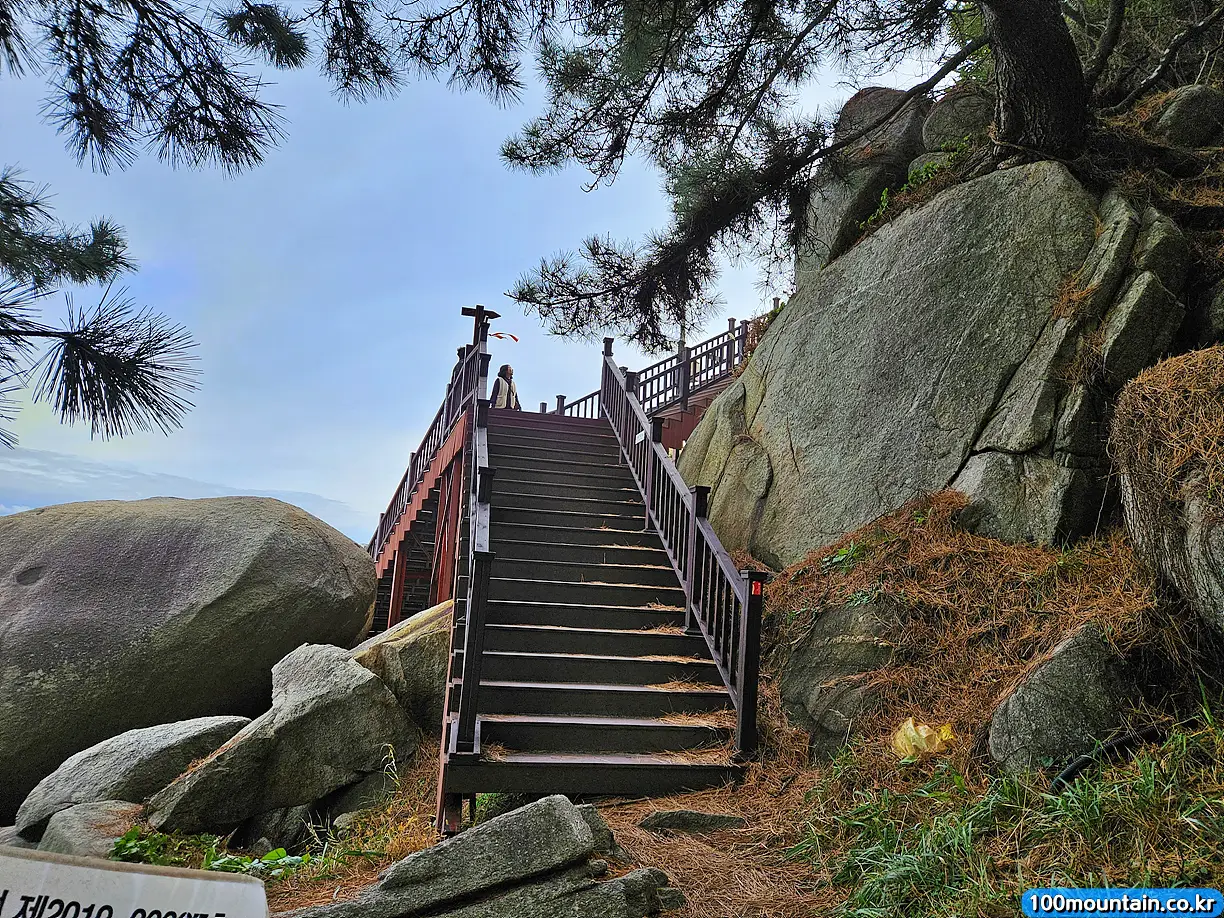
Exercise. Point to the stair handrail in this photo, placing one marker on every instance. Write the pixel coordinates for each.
(465, 738)
(723, 604)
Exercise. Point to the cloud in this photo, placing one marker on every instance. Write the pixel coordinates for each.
(36, 478)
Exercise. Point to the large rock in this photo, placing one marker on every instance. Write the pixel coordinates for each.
(847, 188)
(1073, 700)
(824, 683)
(131, 766)
(411, 660)
(535, 862)
(89, 829)
(539, 838)
(963, 112)
(1166, 438)
(124, 614)
(952, 348)
(332, 723)
(1192, 116)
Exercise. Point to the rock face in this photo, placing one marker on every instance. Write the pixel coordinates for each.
(847, 189)
(535, 862)
(411, 660)
(959, 345)
(1071, 702)
(124, 614)
(89, 829)
(331, 725)
(130, 766)
(823, 684)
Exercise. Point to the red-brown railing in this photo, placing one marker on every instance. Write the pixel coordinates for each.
(723, 604)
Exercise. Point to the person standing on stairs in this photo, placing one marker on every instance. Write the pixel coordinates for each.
(505, 394)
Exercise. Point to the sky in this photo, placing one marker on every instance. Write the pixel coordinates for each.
(324, 288)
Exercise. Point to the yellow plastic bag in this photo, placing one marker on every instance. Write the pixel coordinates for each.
(912, 741)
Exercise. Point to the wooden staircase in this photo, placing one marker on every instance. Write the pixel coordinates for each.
(589, 683)
(603, 641)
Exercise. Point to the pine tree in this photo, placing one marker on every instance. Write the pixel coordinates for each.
(705, 90)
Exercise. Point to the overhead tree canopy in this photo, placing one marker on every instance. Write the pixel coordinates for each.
(708, 91)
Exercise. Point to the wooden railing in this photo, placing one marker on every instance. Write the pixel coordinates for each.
(721, 603)
(672, 380)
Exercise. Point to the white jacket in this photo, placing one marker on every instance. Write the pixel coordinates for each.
(505, 396)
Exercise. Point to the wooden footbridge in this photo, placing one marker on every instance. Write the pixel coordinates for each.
(603, 641)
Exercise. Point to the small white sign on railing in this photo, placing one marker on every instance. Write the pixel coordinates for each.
(639, 438)
(36, 884)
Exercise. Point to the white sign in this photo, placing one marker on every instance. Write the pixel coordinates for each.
(37, 884)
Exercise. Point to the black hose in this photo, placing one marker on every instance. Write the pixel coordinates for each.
(1113, 751)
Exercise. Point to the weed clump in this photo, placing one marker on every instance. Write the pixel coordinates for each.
(1168, 431)
(346, 861)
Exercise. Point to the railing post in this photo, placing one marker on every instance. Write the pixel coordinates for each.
(749, 662)
(473, 653)
(684, 377)
(742, 344)
(656, 436)
(608, 346)
(543, 407)
(701, 505)
(730, 345)
(631, 381)
(560, 404)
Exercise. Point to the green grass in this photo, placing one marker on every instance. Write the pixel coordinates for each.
(140, 845)
(945, 848)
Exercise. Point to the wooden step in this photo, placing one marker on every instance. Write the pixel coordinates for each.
(603, 445)
(600, 700)
(533, 420)
(545, 733)
(587, 453)
(577, 520)
(565, 474)
(543, 530)
(544, 666)
(584, 572)
(510, 550)
(621, 775)
(579, 594)
(539, 466)
(563, 501)
(567, 615)
(508, 481)
(604, 641)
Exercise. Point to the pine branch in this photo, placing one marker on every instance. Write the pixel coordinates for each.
(640, 290)
(1105, 47)
(36, 249)
(268, 29)
(118, 369)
